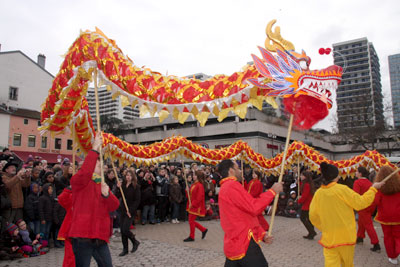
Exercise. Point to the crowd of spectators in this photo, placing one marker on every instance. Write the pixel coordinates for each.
(31, 215)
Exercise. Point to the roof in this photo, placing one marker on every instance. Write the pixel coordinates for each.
(20, 112)
(50, 157)
(22, 53)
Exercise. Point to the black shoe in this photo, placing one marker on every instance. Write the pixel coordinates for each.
(359, 240)
(123, 253)
(376, 248)
(309, 237)
(135, 246)
(189, 239)
(203, 234)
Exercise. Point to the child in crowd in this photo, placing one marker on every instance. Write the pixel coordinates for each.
(175, 198)
(58, 217)
(282, 202)
(13, 241)
(31, 207)
(291, 209)
(46, 203)
(388, 201)
(32, 243)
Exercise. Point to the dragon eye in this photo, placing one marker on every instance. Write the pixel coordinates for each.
(303, 65)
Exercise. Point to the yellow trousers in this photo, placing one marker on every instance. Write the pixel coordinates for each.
(342, 256)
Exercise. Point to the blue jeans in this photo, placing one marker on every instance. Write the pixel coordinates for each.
(45, 230)
(175, 210)
(148, 213)
(35, 226)
(85, 248)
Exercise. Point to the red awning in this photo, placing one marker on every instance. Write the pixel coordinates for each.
(50, 157)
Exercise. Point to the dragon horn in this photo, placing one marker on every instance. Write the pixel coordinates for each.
(274, 39)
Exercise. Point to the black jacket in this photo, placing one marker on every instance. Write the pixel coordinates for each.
(148, 196)
(58, 213)
(132, 197)
(46, 204)
(31, 207)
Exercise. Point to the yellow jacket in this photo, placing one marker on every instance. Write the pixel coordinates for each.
(331, 211)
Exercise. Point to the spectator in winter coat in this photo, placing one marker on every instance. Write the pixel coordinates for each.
(46, 203)
(291, 209)
(58, 218)
(49, 178)
(32, 243)
(14, 183)
(162, 184)
(31, 208)
(175, 198)
(148, 198)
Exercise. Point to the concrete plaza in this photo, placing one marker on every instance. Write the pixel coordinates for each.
(161, 245)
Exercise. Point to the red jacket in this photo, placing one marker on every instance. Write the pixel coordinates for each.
(65, 200)
(361, 186)
(197, 199)
(90, 214)
(388, 208)
(238, 214)
(255, 188)
(306, 197)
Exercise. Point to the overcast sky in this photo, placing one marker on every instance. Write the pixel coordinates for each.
(209, 36)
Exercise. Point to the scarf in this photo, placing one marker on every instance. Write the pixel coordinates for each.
(96, 178)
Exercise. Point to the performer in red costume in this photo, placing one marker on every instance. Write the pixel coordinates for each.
(238, 214)
(92, 202)
(361, 185)
(65, 200)
(388, 201)
(196, 206)
(255, 188)
(307, 193)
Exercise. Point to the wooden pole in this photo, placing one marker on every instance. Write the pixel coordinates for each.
(98, 122)
(73, 149)
(187, 186)
(298, 177)
(122, 192)
(281, 174)
(241, 164)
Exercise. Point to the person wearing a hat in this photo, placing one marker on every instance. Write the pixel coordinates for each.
(332, 212)
(14, 182)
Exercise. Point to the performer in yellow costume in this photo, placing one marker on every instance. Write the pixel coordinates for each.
(331, 211)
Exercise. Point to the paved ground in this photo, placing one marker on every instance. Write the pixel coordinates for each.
(161, 245)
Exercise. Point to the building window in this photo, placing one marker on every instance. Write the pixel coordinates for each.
(69, 144)
(13, 93)
(25, 121)
(31, 141)
(39, 124)
(17, 140)
(57, 144)
(44, 142)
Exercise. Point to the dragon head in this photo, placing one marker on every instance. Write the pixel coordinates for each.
(286, 73)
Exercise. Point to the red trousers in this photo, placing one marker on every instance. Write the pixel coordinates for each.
(193, 225)
(391, 238)
(263, 222)
(365, 224)
(69, 257)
